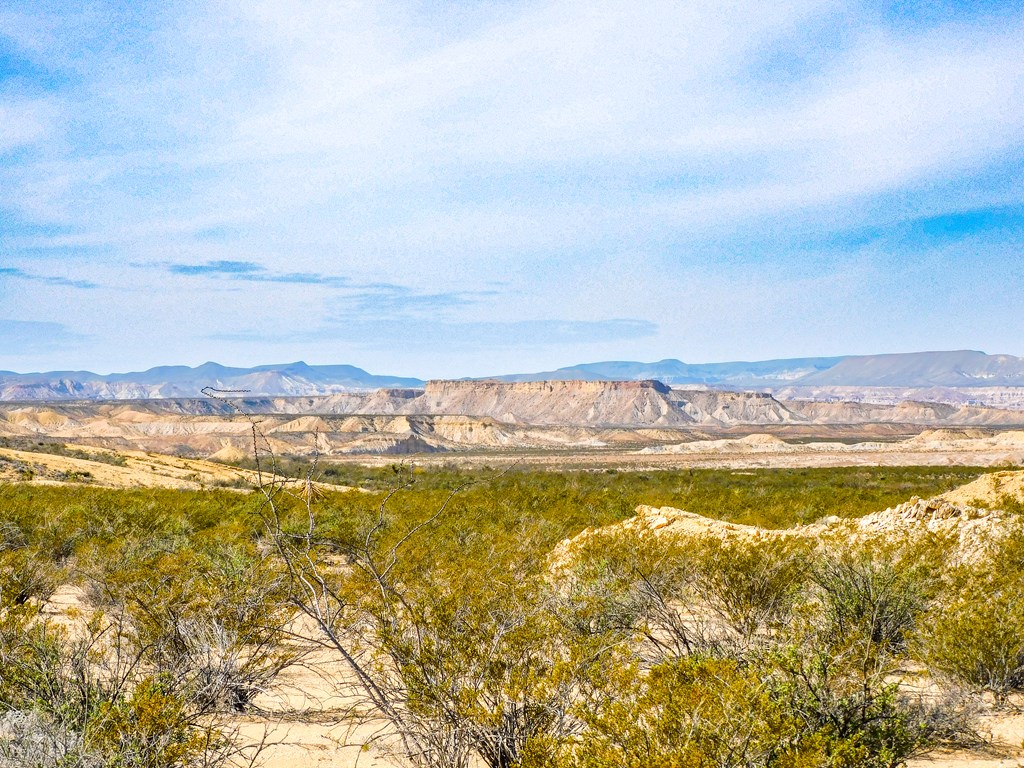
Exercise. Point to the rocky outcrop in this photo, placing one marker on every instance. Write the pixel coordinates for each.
(730, 408)
(907, 412)
(970, 530)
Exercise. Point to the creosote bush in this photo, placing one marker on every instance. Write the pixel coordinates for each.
(976, 632)
(690, 711)
(878, 586)
(460, 633)
(182, 623)
(749, 585)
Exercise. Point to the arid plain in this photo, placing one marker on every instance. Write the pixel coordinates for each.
(632, 424)
(210, 443)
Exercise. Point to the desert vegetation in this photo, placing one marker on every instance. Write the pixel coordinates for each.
(454, 636)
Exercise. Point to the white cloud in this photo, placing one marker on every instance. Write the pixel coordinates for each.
(445, 147)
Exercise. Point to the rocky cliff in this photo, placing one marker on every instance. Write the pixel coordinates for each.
(594, 403)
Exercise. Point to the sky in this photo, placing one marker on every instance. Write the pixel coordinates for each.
(470, 188)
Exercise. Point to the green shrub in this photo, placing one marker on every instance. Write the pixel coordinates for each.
(473, 646)
(842, 690)
(750, 584)
(975, 635)
(697, 712)
(150, 727)
(683, 712)
(878, 587)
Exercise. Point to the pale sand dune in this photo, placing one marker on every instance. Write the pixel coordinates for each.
(972, 526)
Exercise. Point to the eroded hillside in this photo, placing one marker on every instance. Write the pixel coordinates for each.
(630, 422)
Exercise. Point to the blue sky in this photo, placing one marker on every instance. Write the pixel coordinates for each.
(449, 189)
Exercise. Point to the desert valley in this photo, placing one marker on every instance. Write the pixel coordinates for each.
(588, 422)
(654, 393)
(812, 492)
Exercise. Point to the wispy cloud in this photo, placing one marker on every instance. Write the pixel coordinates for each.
(232, 268)
(460, 335)
(358, 299)
(248, 271)
(381, 162)
(26, 122)
(63, 282)
(401, 301)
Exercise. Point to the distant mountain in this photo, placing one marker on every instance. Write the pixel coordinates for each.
(675, 372)
(963, 368)
(802, 378)
(297, 379)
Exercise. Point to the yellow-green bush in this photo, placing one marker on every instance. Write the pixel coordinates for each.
(975, 634)
(472, 645)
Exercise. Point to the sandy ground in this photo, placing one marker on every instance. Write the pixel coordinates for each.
(1003, 732)
(134, 469)
(93, 461)
(305, 720)
(758, 450)
(632, 461)
(989, 489)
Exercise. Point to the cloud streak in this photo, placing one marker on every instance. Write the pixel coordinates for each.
(62, 282)
(357, 300)
(461, 335)
(249, 271)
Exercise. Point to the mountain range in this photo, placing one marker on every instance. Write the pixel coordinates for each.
(961, 368)
(812, 377)
(182, 381)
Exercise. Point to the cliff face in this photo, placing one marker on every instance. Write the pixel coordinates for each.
(459, 415)
(634, 404)
(989, 397)
(906, 412)
(629, 405)
(729, 408)
(595, 403)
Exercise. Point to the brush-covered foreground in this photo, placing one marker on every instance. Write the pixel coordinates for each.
(440, 632)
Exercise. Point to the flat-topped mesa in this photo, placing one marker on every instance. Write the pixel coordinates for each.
(596, 403)
(448, 387)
